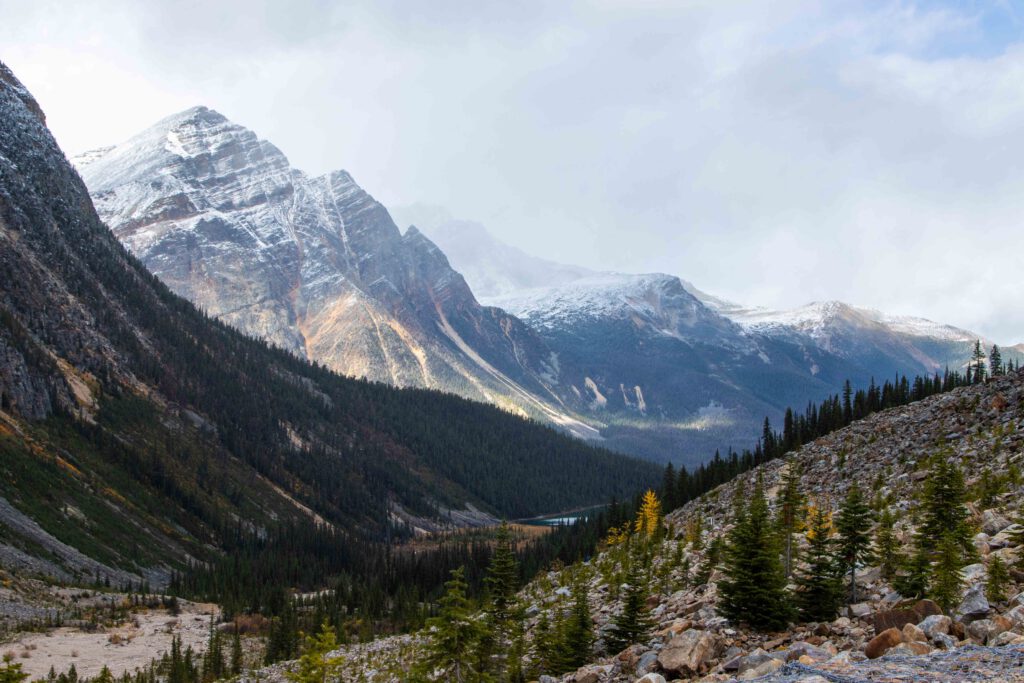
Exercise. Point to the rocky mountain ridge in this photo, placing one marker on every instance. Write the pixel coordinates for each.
(314, 265)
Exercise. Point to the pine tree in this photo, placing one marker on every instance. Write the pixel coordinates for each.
(712, 558)
(501, 581)
(943, 508)
(578, 637)
(236, 653)
(317, 665)
(913, 583)
(454, 636)
(995, 362)
(631, 625)
(944, 586)
(546, 648)
(791, 509)
(853, 525)
(887, 546)
(997, 580)
(754, 587)
(105, 675)
(978, 361)
(670, 488)
(819, 585)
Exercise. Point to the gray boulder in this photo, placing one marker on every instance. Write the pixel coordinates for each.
(688, 652)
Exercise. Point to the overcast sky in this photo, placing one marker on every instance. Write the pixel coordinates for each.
(773, 153)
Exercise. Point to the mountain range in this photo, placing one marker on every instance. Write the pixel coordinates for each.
(138, 433)
(648, 364)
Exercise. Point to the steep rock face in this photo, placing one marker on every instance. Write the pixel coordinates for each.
(312, 264)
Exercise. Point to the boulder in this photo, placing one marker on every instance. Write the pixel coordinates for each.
(974, 573)
(898, 618)
(974, 606)
(763, 669)
(860, 610)
(912, 634)
(647, 662)
(1008, 638)
(753, 661)
(1007, 538)
(688, 652)
(1016, 615)
(651, 678)
(979, 630)
(935, 625)
(804, 649)
(992, 522)
(883, 642)
(946, 642)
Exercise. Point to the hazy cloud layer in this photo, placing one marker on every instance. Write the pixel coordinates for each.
(773, 153)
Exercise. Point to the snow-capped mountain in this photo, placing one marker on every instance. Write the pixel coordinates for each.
(312, 264)
(670, 366)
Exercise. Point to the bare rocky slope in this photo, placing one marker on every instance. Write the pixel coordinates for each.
(882, 638)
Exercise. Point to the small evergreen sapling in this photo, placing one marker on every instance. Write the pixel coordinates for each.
(997, 580)
(754, 587)
(819, 585)
(853, 525)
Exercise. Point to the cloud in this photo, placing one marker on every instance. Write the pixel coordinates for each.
(773, 153)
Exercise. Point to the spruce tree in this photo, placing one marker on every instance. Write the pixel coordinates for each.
(887, 546)
(546, 648)
(578, 635)
(946, 581)
(451, 653)
(997, 579)
(712, 558)
(236, 653)
(791, 509)
(631, 625)
(995, 362)
(853, 525)
(819, 585)
(754, 587)
(943, 508)
(978, 360)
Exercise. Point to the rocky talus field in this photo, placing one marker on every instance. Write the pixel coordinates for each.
(882, 638)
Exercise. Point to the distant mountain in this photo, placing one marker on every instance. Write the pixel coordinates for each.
(312, 264)
(673, 371)
(492, 267)
(137, 433)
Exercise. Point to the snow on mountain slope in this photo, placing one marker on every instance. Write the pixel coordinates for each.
(313, 264)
